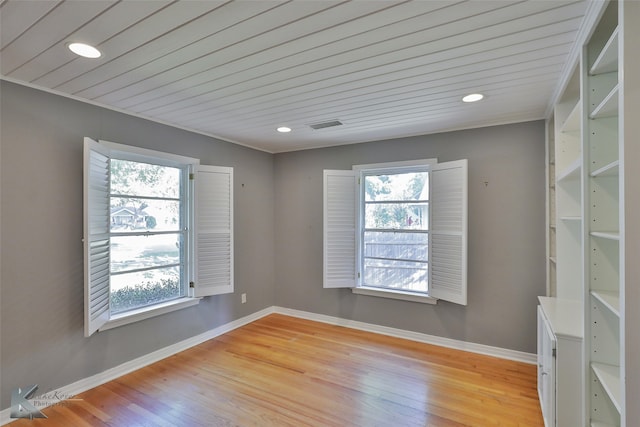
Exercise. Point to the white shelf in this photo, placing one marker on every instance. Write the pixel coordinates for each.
(599, 424)
(609, 235)
(571, 172)
(607, 61)
(608, 107)
(572, 122)
(609, 377)
(571, 218)
(609, 299)
(612, 169)
(564, 315)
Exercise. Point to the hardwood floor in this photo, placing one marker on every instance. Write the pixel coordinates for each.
(284, 371)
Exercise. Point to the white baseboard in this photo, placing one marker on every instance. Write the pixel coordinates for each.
(487, 350)
(140, 362)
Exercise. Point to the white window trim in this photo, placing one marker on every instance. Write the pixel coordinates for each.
(148, 312)
(145, 155)
(395, 294)
(391, 165)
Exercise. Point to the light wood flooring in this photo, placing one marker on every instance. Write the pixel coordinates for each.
(284, 371)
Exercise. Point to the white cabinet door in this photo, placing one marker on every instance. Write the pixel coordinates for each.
(546, 370)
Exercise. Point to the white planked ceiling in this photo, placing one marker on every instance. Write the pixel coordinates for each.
(238, 69)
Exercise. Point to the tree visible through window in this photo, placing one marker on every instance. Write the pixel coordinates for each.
(395, 236)
(147, 234)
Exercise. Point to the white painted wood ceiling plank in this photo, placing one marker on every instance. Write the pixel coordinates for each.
(106, 25)
(260, 63)
(420, 106)
(18, 16)
(53, 28)
(180, 46)
(394, 63)
(241, 105)
(375, 89)
(413, 44)
(372, 102)
(255, 35)
(377, 62)
(226, 75)
(74, 77)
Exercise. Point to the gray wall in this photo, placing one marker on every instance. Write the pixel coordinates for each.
(41, 222)
(506, 247)
(41, 261)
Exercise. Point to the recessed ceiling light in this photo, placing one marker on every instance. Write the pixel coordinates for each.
(84, 50)
(284, 129)
(473, 97)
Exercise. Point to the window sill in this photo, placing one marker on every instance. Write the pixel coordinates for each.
(400, 295)
(132, 316)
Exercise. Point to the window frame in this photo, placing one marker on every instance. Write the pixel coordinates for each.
(196, 275)
(186, 165)
(421, 165)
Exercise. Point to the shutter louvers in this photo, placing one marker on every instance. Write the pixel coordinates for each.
(96, 235)
(339, 258)
(214, 231)
(448, 260)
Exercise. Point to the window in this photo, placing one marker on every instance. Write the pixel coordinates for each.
(148, 232)
(394, 232)
(158, 232)
(399, 228)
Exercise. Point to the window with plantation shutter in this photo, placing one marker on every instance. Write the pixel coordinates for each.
(155, 239)
(397, 228)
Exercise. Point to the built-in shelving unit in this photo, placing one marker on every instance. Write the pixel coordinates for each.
(589, 246)
(602, 285)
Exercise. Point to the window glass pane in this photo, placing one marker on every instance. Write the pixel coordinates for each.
(400, 275)
(135, 252)
(143, 179)
(398, 246)
(399, 186)
(397, 216)
(398, 258)
(140, 289)
(144, 215)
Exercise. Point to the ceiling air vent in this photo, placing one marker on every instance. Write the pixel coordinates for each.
(323, 125)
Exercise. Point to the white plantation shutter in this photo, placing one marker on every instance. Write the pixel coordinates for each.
(214, 231)
(448, 248)
(96, 236)
(340, 204)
